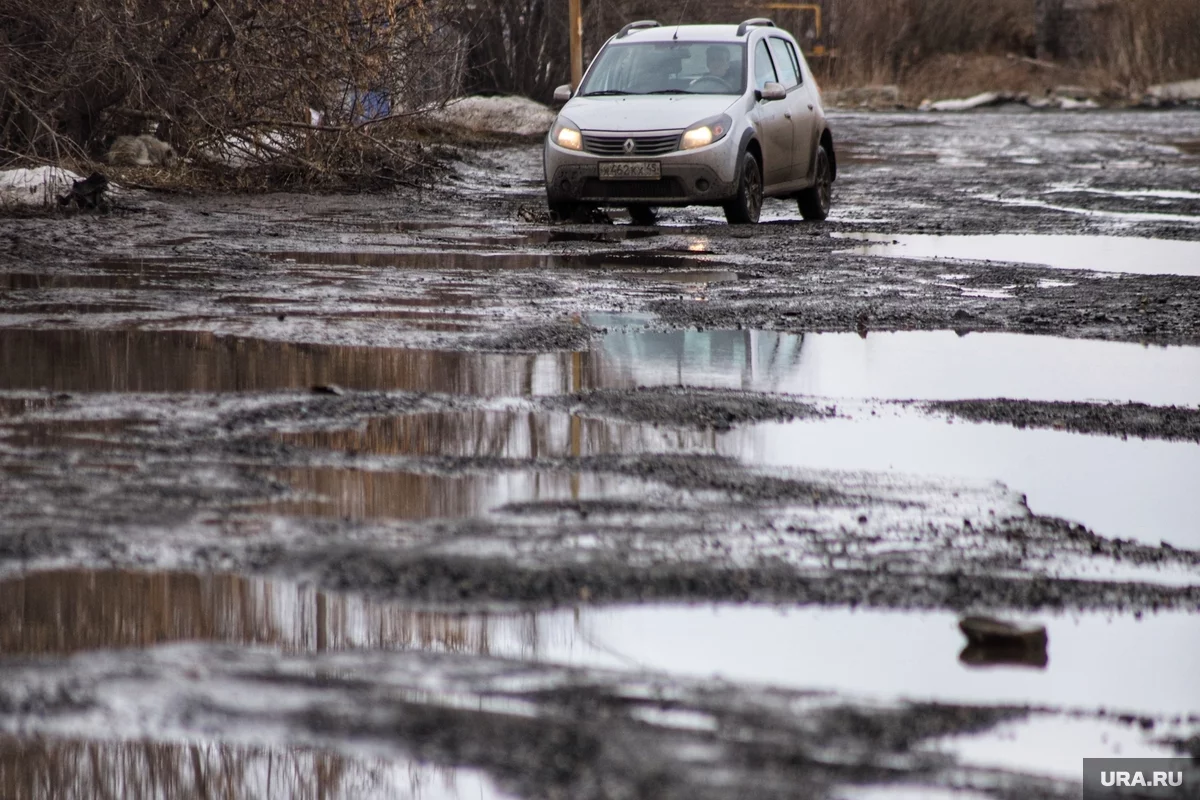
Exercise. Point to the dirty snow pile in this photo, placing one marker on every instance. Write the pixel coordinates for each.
(38, 186)
(511, 115)
(1179, 92)
(1062, 100)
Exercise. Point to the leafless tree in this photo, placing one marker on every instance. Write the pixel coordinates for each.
(306, 92)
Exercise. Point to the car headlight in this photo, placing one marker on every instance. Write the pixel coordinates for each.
(565, 134)
(705, 133)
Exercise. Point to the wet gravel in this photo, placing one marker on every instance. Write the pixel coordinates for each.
(1129, 419)
(430, 401)
(698, 408)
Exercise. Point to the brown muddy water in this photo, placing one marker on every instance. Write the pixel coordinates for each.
(78, 769)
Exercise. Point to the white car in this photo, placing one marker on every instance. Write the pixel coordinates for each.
(718, 115)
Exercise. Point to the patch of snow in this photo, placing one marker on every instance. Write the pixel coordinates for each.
(965, 104)
(36, 186)
(1179, 92)
(513, 115)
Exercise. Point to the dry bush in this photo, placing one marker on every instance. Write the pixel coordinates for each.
(228, 82)
(880, 41)
(1142, 42)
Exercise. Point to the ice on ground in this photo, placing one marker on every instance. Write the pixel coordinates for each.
(36, 186)
(518, 116)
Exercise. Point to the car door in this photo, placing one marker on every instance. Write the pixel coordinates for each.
(771, 118)
(800, 107)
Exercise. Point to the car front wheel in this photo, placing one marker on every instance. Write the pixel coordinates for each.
(642, 215)
(815, 201)
(563, 210)
(745, 208)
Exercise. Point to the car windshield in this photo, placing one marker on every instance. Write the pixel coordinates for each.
(667, 68)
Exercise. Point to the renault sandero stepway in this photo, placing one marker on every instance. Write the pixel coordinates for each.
(717, 115)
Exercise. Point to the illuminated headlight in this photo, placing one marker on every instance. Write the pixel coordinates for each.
(565, 134)
(705, 133)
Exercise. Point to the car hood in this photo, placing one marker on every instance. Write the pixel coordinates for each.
(641, 113)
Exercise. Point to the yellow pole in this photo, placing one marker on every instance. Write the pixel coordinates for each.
(576, 43)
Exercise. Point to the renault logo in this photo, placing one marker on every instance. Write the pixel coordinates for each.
(630, 145)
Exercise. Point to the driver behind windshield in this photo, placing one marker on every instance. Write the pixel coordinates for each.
(718, 63)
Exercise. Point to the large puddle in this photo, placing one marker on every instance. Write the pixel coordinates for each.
(181, 361)
(70, 611)
(1120, 488)
(1096, 253)
(38, 768)
(1134, 489)
(938, 365)
(1093, 661)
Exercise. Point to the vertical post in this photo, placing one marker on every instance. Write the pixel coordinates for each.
(576, 43)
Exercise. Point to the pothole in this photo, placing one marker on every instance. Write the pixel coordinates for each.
(909, 365)
(1131, 255)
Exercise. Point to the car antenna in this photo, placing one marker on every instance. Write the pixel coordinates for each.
(683, 11)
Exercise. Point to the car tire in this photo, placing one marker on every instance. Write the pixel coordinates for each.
(746, 206)
(563, 210)
(814, 202)
(642, 214)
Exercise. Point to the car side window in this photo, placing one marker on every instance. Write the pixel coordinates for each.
(795, 61)
(764, 70)
(787, 68)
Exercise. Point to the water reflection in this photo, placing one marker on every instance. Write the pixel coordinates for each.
(152, 361)
(362, 494)
(1143, 490)
(907, 365)
(891, 654)
(66, 433)
(442, 260)
(1152, 671)
(18, 281)
(503, 434)
(67, 611)
(485, 233)
(77, 769)
(1096, 253)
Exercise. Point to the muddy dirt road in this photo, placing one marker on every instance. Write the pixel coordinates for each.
(420, 496)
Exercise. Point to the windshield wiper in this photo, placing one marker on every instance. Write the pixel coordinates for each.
(673, 91)
(606, 92)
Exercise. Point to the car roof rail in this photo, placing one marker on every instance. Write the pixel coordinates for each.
(637, 26)
(757, 22)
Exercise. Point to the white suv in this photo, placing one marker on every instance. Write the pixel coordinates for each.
(718, 115)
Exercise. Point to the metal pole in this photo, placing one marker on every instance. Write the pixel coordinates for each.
(576, 43)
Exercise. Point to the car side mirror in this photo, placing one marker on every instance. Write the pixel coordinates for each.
(772, 91)
(563, 93)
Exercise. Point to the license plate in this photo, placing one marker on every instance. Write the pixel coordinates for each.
(630, 170)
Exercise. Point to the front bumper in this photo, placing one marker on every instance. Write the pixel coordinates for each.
(704, 176)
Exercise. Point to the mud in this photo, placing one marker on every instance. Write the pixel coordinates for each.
(416, 495)
(1130, 419)
(717, 410)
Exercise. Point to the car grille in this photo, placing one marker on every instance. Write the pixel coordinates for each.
(665, 189)
(642, 145)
